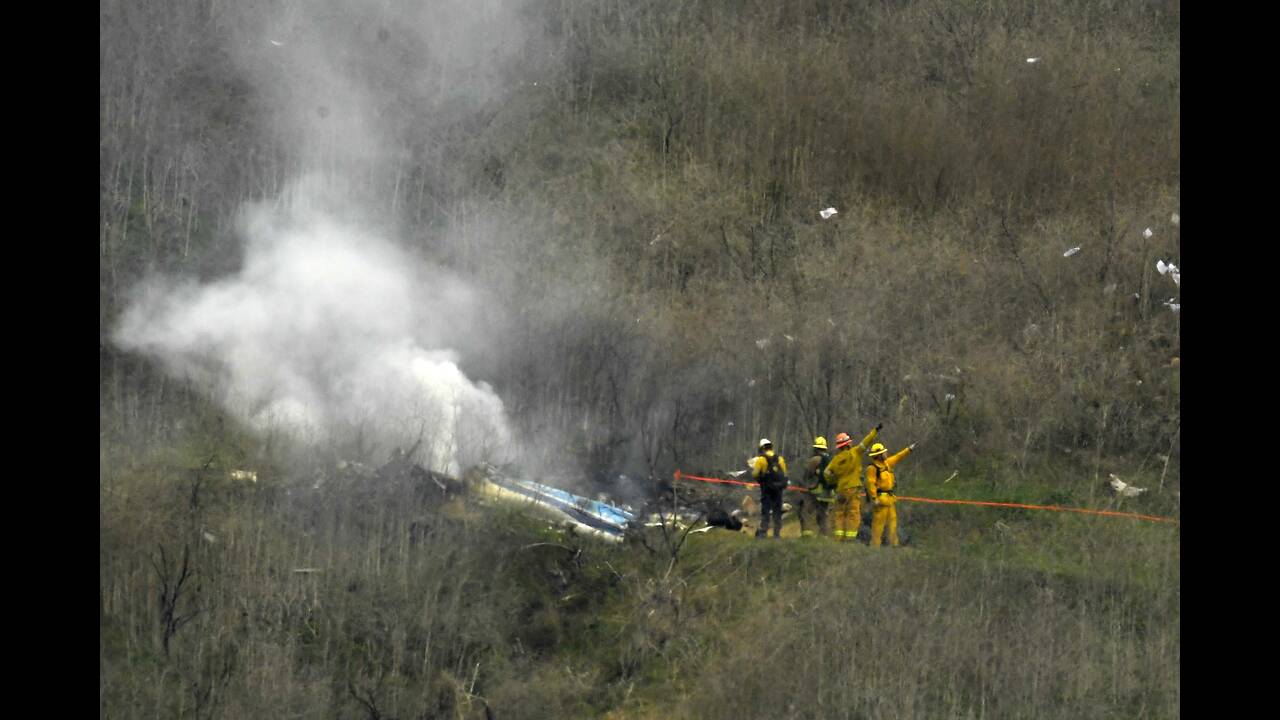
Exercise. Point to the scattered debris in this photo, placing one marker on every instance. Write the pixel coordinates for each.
(1175, 219)
(719, 518)
(949, 397)
(1071, 252)
(831, 322)
(208, 536)
(1172, 305)
(579, 514)
(762, 343)
(1171, 270)
(277, 43)
(953, 477)
(729, 424)
(751, 382)
(1124, 489)
(789, 338)
(1147, 233)
(249, 475)
(1033, 60)
(826, 214)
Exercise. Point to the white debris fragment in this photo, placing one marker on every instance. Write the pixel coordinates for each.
(762, 343)
(1146, 233)
(831, 322)
(729, 424)
(1071, 252)
(751, 382)
(1136, 296)
(1033, 60)
(950, 396)
(788, 337)
(1175, 219)
(1171, 270)
(1172, 305)
(953, 477)
(1124, 489)
(208, 536)
(1110, 288)
(738, 473)
(826, 214)
(250, 475)
(277, 43)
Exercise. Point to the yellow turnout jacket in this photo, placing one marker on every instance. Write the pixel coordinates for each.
(760, 463)
(880, 474)
(846, 466)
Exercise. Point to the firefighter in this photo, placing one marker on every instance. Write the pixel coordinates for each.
(820, 495)
(845, 471)
(770, 470)
(880, 483)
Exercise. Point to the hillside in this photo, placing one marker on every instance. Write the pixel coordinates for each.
(583, 240)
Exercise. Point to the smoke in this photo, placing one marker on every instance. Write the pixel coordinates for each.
(327, 332)
(355, 85)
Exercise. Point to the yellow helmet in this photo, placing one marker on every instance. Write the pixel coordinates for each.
(877, 449)
(820, 443)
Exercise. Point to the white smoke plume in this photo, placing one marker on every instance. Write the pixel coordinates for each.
(326, 331)
(330, 331)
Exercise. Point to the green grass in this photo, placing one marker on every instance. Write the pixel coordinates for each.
(422, 609)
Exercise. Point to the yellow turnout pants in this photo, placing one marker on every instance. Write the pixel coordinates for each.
(885, 513)
(848, 513)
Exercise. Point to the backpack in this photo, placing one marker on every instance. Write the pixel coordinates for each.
(815, 481)
(866, 490)
(773, 477)
(822, 470)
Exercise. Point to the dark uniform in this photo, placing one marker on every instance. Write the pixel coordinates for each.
(814, 504)
(770, 470)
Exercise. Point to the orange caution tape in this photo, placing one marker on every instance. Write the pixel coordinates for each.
(1110, 513)
(680, 475)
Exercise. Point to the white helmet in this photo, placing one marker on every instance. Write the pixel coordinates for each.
(763, 442)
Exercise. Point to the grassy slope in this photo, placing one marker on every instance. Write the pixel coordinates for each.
(427, 610)
(1047, 615)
